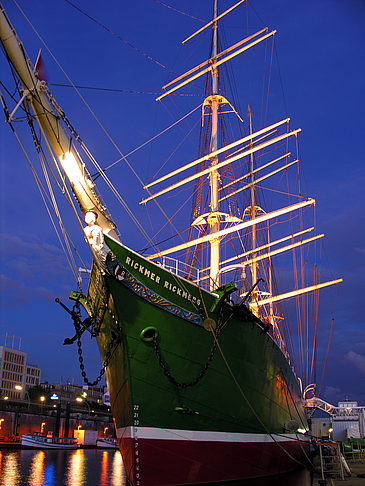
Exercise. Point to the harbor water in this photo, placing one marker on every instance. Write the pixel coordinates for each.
(82, 467)
(90, 467)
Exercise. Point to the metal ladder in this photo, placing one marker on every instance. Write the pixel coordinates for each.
(331, 463)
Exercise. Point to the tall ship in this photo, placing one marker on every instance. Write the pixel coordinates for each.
(192, 334)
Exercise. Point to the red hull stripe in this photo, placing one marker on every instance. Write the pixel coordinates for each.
(202, 436)
(186, 462)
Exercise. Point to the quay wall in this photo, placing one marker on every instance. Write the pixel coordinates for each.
(15, 423)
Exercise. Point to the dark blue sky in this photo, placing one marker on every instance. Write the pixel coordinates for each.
(318, 80)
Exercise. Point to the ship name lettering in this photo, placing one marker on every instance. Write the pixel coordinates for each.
(143, 270)
(156, 278)
(177, 290)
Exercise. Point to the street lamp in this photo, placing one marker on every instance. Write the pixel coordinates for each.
(42, 398)
(20, 388)
(1, 422)
(81, 400)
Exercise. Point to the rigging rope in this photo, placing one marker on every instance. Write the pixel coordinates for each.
(99, 123)
(43, 193)
(251, 407)
(325, 363)
(153, 138)
(113, 90)
(178, 11)
(118, 36)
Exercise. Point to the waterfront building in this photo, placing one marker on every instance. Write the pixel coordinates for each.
(12, 364)
(32, 376)
(16, 375)
(348, 421)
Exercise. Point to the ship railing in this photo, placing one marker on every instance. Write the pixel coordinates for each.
(181, 269)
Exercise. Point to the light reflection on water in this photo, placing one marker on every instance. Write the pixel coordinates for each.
(9, 469)
(36, 474)
(61, 468)
(76, 471)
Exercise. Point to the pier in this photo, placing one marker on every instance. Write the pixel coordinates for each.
(18, 418)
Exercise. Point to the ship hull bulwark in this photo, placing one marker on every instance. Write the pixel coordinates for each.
(189, 409)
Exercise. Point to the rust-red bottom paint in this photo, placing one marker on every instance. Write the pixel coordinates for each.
(177, 462)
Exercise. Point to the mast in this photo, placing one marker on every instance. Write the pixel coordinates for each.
(254, 264)
(213, 218)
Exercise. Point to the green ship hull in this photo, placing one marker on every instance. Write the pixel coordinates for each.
(176, 386)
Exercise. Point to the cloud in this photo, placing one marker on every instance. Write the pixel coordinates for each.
(31, 269)
(356, 359)
(15, 293)
(332, 391)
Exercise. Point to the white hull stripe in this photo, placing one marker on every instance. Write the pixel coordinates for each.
(203, 436)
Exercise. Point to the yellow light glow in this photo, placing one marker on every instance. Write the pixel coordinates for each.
(271, 253)
(254, 171)
(211, 155)
(1, 421)
(266, 176)
(232, 229)
(78, 399)
(71, 167)
(76, 469)
(6, 398)
(36, 474)
(79, 427)
(272, 243)
(222, 164)
(216, 64)
(18, 387)
(42, 398)
(283, 249)
(294, 293)
(223, 53)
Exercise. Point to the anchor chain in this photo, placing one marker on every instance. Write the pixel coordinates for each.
(112, 346)
(202, 373)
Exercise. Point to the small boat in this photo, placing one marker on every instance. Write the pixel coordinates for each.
(37, 441)
(107, 443)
